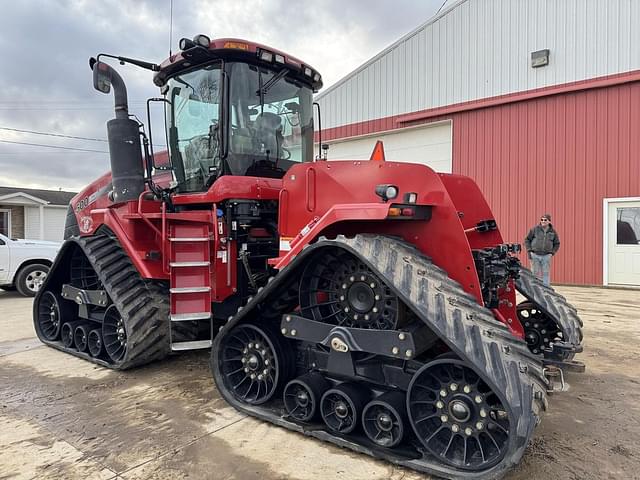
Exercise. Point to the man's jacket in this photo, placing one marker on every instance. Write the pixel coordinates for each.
(540, 242)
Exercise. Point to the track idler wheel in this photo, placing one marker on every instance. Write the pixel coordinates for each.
(80, 337)
(384, 419)
(114, 334)
(302, 396)
(342, 406)
(457, 417)
(540, 331)
(49, 316)
(94, 342)
(253, 363)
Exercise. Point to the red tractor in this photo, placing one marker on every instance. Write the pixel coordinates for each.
(370, 304)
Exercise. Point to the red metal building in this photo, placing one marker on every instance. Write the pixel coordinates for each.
(570, 148)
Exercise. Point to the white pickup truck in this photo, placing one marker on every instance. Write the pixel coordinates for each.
(24, 264)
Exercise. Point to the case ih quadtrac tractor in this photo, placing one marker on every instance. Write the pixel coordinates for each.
(370, 304)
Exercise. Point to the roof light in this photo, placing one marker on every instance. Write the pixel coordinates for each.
(202, 40)
(266, 56)
(237, 45)
(317, 77)
(279, 58)
(308, 72)
(185, 44)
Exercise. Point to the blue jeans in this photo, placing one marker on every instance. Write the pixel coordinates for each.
(541, 265)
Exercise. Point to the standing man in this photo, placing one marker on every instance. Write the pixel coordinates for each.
(541, 244)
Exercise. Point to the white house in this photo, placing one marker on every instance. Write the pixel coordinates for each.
(33, 214)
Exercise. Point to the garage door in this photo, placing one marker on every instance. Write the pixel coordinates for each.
(624, 243)
(54, 219)
(430, 145)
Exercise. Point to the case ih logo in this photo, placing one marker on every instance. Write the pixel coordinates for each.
(85, 224)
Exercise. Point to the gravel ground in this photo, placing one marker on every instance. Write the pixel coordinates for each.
(62, 417)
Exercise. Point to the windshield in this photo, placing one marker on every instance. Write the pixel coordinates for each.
(194, 127)
(267, 128)
(271, 121)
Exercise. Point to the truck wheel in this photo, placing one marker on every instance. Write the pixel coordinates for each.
(30, 278)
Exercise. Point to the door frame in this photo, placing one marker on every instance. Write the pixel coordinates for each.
(605, 233)
(8, 212)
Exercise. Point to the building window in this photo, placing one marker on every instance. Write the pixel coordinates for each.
(628, 226)
(5, 222)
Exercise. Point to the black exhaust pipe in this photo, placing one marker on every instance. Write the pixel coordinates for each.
(125, 149)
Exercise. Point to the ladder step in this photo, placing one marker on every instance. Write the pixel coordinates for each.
(179, 346)
(189, 239)
(190, 289)
(189, 264)
(188, 317)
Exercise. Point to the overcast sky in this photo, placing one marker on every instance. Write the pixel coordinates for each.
(45, 81)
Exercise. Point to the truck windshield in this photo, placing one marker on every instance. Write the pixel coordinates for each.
(194, 127)
(271, 121)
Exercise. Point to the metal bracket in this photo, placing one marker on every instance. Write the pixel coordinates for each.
(391, 343)
(552, 372)
(85, 297)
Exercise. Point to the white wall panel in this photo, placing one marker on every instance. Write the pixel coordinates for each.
(481, 48)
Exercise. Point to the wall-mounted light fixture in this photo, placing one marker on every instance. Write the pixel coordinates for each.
(540, 58)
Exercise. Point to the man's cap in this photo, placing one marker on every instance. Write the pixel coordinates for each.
(547, 216)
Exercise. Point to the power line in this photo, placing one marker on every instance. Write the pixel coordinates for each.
(53, 146)
(443, 4)
(53, 134)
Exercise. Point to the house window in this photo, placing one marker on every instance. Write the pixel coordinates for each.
(5, 222)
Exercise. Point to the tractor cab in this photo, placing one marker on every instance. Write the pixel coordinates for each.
(240, 110)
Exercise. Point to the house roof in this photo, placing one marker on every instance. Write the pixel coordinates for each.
(51, 197)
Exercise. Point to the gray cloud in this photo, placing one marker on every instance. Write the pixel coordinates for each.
(46, 82)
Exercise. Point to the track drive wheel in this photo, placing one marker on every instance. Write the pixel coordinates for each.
(457, 417)
(254, 363)
(341, 289)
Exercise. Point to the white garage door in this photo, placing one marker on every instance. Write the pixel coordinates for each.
(54, 223)
(430, 145)
(53, 228)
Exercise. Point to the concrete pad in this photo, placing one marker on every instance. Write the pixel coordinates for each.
(15, 316)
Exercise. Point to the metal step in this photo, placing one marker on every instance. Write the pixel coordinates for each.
(190, 289)
(189, 239)
(180, 346)
(189, 264)
(188, 317)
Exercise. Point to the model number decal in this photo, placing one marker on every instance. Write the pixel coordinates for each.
(82, 204)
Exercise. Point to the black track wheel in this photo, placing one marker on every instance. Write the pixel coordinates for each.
(81, 337)
(66, 333)
(540, 330)
(342, 406)
(384, 419)
(114, 334)
(254, 363)
(49, 318)
(302, 396)
(457, 417)
(94, 342)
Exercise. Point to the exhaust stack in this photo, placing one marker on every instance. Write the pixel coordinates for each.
(125, 150)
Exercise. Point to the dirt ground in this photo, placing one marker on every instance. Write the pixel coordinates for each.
(62, 417)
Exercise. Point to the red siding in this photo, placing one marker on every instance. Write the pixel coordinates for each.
(560, 154)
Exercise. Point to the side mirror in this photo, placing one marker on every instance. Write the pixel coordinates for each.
(101, 75)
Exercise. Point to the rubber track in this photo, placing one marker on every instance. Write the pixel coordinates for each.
(143, 304)
(471, 331)
(552, 304)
